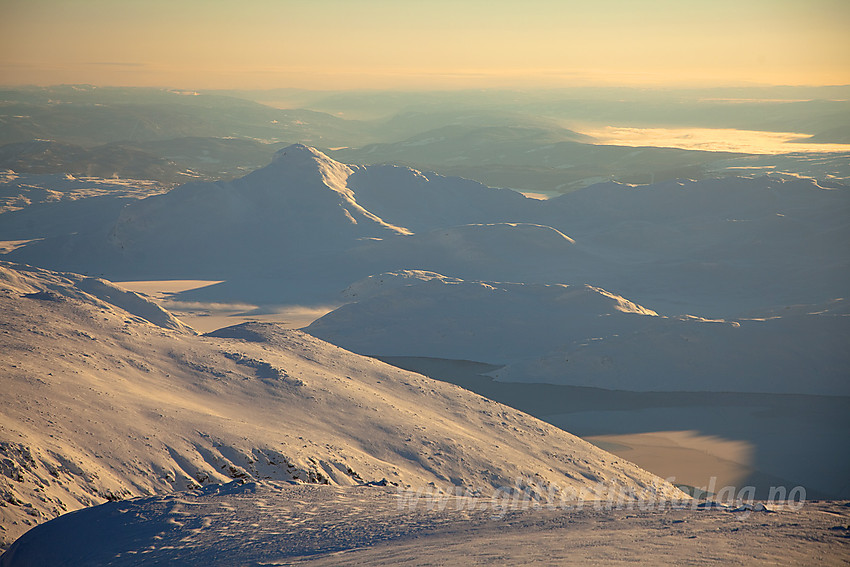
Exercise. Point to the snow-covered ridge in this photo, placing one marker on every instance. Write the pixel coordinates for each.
(586, 336)
(416, 313)
(53, 286)
(297, 158)
(100, 405)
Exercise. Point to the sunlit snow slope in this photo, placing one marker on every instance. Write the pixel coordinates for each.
(106, 396)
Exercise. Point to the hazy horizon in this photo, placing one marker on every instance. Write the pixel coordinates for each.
(376, 44)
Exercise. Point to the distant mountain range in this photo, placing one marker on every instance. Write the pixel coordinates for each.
(41, 156)
(310, 226)
(91, 116)
(169, 162)
(525, 141)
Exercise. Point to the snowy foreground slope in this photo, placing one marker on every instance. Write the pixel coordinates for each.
(106, 396)
(274, 523)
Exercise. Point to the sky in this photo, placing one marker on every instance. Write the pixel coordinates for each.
(424, 44)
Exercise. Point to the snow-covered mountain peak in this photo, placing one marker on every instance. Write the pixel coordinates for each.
(299, 151)
(304, 173)
(302, 160)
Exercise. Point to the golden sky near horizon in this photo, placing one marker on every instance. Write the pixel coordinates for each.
(339, 44)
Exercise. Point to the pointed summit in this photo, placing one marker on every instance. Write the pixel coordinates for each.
(305, 174)
(299, 152)
(299, 156)
(300, 163)
(300, 204)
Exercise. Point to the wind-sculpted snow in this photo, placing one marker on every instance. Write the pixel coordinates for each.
(99, 403)
(130, 302)
(275, 523)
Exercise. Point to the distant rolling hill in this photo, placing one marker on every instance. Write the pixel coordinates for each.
(42, 156)
(90, 116)
(169, 162)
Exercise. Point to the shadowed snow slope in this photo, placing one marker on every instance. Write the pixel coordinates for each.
(501, 251)
(425, 201)
(425, 314)
(803, 353)
(716, 247)
(100, 403)
(55, 205)
(586, 336)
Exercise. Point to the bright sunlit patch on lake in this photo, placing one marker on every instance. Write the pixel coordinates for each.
(712, 139)
(684, 456)
(538, 196)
